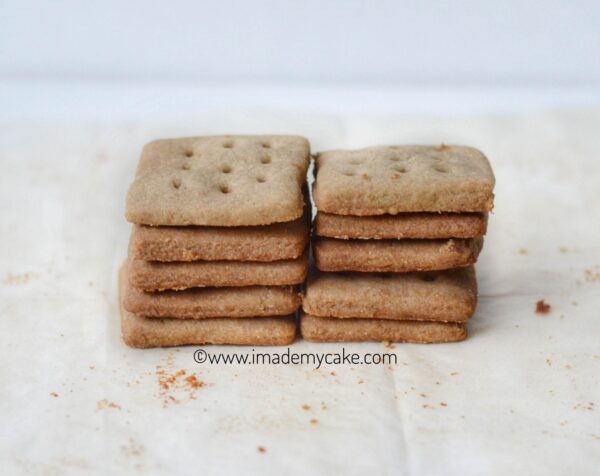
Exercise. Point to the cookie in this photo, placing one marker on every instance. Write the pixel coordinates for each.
(403, 225)
(158, 276)
(219, 181)
(200, 303)
(273, 242)
(144, 332)
(394, 255)
(330, 329)
(449, 296)
(391, 180)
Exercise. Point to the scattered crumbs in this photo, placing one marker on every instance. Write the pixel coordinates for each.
(178, 382)
(426, 405)
(104, 404)
(522, 251)
(261, 449)
(332, 373)
(437, 383)
(422, 395)
(592, 275)
(541, 307)
(54, 394)
(563, 249)
(323, 406)
(442, 146)
(360, 381)
(582, 406)
(453, 373)
(563, 423)
(306, 407)
(16, 279)
(132, 449)
(443, 404)
(314, 421)
(92, 367)
(549, 362)
(388, 345)
(568, 366)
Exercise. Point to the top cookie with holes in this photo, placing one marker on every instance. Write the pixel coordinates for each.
(219, 181)
(397, 179)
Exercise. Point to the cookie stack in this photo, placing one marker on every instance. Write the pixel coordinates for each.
(398, 230)
(219, 242)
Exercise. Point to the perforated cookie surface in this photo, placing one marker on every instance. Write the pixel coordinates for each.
(219, 181)
(395, 179)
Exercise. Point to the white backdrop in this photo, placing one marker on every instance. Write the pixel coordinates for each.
(514, 41)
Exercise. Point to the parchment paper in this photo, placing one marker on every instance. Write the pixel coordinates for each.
(520, 396)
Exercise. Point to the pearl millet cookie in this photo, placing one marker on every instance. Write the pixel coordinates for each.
(219, 181)
(433, 296)
(394, 255)
(403, 225)
(330, 329)
(396, 179)
(158, 276)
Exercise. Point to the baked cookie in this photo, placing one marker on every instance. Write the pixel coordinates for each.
(396, 179)
(219, 181)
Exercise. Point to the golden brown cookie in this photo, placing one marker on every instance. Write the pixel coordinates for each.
(432, 296)
(403, 225)
(394, 255)
(219, 181)
(330, 329)
(395, 179)
(158, 276)
(273, 242)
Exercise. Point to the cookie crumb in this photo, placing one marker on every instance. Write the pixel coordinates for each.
(261, 449)
(314, 421)
(563, 249)
(522, 251)
(542, 307)
(442, 146)
(104, 403)
(443, 404)
(53, 394)
(305, 407)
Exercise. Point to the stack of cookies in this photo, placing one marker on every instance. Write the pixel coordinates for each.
(397, 232)
(219, 243)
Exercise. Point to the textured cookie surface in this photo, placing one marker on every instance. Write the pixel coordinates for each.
(199, 303)
(157, 276)
(433, 296)
(273, 242)
(395, 255)
(219, 181)
(331, 329)
(403, 225)
(144, 332)
(390, 180)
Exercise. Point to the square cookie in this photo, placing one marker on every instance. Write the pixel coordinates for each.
(391, 180)
(330, 329)
(399, 256)
(201, 303)
(277, 241)
(219, 181)
(158, 276)
(144, 332)
(449, 296)
(403, 225)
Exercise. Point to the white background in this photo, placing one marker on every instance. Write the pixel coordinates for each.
(135, 59)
